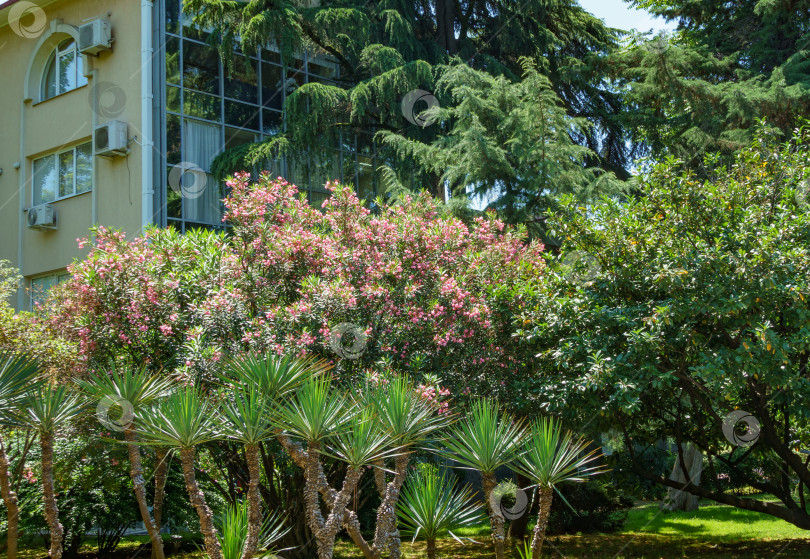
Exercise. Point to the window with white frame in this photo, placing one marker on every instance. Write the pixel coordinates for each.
(63, 174)
(41, 285)
(63, 71)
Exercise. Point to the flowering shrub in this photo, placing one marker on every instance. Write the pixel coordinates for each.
(403, 289)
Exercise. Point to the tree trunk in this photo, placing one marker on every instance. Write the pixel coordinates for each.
(316, 521)
(198, 501)
(10, 499)
(677, 499)
(546, 494)
(518, 526)
(431, 548)
(136, 473)
(161, 474)
(386, 534)
(495, 515)
(51, 510)
(254, 501)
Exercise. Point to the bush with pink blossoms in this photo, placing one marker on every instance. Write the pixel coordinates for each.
(403, 288)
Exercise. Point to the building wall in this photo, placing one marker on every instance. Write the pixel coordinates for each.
(32, 128)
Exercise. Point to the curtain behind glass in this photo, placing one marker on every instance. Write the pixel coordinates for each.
(201, 143)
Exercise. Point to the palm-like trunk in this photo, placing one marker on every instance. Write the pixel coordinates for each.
(495, 516)
(51, 510)
(161, 475)
(197, 499)
(136, 473)
(254, 501)
(386, 535)
(546, 495)
(10, 499)
(431, 548)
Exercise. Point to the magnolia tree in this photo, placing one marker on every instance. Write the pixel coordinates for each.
(403, 289)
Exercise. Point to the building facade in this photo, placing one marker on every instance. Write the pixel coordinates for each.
(111, 115)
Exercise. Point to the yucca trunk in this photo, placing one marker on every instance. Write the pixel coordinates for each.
(197, 499)
(386, 535)
(254, 501)
(314, 516)
(431, 548)
(10, 499)
(49, 495)
(546, 496)
(161, 475)
(495, 516)
(136, 473)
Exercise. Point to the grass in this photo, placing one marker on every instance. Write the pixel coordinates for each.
(714, 531)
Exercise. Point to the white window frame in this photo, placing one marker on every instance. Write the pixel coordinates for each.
(79, 79)
(57, 162)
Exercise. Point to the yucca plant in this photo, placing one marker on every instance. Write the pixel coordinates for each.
(47, 410)
(258, 385)
(133, 389)
(485, 440)
(233, 532)
(432, 506)
(552, 456)
(186, 420)
(18, 375)
(410, 420)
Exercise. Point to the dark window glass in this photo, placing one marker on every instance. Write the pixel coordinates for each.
(272, 96)
(271, 56)
(239, 114)
(201, 105)
(173, 60)
(172, 139)
(241, 80)
(174, 197)
(172, 16)
(271, 122)
(173, 99)
(200, 67)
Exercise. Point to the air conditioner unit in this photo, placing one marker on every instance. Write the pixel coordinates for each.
(111, 138)
(95, 36)
(42, 216)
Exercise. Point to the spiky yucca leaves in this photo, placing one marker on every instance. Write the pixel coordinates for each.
(131, 389)
(432, 505)
(410, 420)
(233, 532)
(47, 410)
(550, 457)
(185, 420)
(18, 374)
(485, 440)
(276, 376)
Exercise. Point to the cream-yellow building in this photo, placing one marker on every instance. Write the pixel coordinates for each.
(112, 112)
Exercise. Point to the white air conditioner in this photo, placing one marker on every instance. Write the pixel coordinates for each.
(42, 216)
(95, 36)
(111, 138)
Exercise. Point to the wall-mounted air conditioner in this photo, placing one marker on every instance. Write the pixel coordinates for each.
(111, 138)
(42, 216)
(95, 36)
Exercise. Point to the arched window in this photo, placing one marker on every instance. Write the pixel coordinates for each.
(63, 71)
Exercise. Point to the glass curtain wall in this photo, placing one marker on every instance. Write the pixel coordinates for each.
(208, 109)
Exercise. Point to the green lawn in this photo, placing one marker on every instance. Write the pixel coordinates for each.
(715, 531)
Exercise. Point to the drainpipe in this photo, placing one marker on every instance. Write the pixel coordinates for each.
(94, 123)
(22, 194)
(147, 142)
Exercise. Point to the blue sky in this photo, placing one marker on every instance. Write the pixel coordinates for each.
(618, 13)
